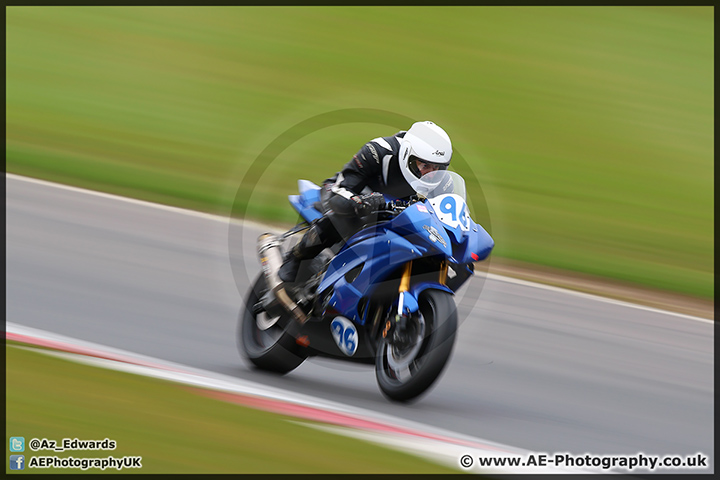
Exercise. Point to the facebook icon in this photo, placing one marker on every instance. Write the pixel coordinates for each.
(17, 462)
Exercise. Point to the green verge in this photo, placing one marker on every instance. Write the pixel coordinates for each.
(590, 129)
(171, 428)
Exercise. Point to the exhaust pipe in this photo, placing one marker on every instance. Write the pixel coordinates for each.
(268, 246)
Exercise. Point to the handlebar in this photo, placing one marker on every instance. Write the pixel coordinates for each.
(396, 206)
(391, 210)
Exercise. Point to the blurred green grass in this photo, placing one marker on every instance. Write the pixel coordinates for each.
(171, 428)
(590, 129)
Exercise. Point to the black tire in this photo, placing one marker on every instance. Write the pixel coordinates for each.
(272, 346)
(404, 375)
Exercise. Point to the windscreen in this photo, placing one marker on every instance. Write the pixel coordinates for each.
(438, 183)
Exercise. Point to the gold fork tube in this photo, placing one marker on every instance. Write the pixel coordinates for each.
(405, 279)
(443, 272)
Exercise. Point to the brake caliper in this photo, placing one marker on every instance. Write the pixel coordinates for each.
(396, 329)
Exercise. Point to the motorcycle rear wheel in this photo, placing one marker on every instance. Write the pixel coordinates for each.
(268, 343)
(405, 373)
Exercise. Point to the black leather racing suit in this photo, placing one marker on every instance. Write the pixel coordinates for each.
(374, 168)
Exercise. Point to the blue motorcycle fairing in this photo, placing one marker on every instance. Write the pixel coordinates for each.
(472, 245)
(345, 296)
(456, 232)
(419, 224)
(378, 251)
(476, 245)
(401, 239)
(374, 266)
(374, 249)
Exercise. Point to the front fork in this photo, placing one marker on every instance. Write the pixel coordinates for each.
(398, 324)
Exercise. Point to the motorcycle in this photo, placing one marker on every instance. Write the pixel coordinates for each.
(383, 297)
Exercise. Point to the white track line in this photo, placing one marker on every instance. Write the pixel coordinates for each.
(428, 442)
(590, 296)
(261, 226)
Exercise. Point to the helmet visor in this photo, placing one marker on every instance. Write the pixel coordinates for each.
(419, 166)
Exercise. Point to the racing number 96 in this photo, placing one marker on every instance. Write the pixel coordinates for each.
(449, 206)
(345, 335)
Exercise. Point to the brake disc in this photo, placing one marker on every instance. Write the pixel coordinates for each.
(400, 359)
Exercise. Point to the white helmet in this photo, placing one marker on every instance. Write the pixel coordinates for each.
(426, 142)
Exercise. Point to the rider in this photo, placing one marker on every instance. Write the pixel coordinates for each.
(385, 165)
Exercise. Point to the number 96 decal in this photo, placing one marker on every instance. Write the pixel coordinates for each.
(452, 210)
(345, 335)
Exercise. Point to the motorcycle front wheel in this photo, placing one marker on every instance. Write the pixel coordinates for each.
(405, 371)
(268, 343)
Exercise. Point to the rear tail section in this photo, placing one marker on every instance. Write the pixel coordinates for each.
(307, 203)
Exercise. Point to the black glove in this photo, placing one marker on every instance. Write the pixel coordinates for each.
(369, 203)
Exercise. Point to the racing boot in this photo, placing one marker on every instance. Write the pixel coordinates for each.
(309, 246)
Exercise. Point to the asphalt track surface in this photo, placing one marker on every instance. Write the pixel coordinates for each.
(536, 368)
